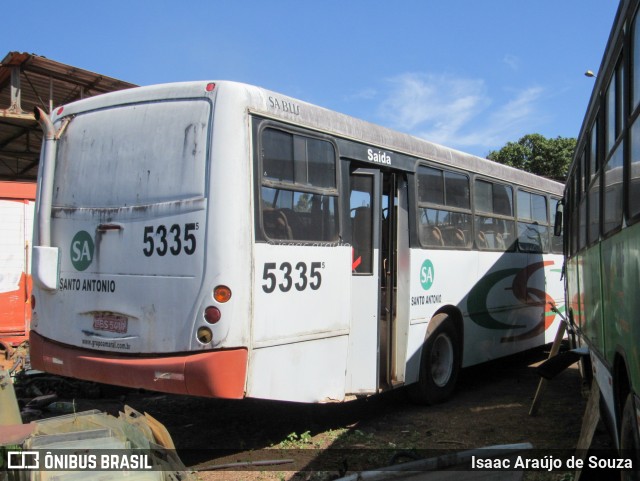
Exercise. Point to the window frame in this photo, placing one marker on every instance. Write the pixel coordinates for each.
(492, 215)
(546, 246)
(423, 206)
(631, 209)
(299, 187)
(552, 202)
(261, 182)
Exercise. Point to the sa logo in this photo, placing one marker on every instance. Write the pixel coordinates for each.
(82, 249)
(427, 274)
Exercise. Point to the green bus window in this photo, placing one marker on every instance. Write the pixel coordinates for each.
(612, 199)
(635, 72)
(593, 217)
(610, 115)
(594, 165)
(634, 171)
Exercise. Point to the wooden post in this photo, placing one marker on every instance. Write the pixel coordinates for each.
(555, 347)
(589, 424)
(9, 410)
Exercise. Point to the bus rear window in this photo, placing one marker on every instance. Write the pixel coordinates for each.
(133, 155)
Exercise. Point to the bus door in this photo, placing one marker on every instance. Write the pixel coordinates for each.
(375, 201)
(394, 280)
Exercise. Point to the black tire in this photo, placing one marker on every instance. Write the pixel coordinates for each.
(630, 439)
(439, 365)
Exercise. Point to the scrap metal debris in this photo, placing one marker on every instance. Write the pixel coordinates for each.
(79, 434)
(14, 359)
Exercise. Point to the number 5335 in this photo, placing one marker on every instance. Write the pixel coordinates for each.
(174, 239)
(286, 276)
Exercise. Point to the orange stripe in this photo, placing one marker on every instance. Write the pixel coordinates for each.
(218, 374)
(18, 190)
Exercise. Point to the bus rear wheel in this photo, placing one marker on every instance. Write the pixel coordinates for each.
(439, 365)
(630, 439)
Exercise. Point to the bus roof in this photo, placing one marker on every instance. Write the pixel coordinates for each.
(270, 104)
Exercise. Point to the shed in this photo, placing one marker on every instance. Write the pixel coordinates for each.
(27, 80)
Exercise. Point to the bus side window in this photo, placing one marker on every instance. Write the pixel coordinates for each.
(444, 206)
(494, 216)
(533, 222)
(298, 192)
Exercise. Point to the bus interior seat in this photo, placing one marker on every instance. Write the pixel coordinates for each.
(481, 240)
(275, 224)
(298, 230)
(453, 237)
(431, 235)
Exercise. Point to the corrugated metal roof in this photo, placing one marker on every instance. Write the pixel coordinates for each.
(46, 83)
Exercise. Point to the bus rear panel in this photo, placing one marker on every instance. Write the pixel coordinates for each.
(129, 219)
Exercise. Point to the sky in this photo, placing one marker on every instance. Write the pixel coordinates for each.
(468, 74)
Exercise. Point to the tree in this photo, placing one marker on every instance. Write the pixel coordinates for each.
(538, 155)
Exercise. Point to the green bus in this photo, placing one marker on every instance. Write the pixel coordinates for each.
(602, 231)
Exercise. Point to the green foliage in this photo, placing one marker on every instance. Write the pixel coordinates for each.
(304, 203)
(538, 155)
(295, 440)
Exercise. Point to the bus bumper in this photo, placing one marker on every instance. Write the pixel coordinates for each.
(219, 374)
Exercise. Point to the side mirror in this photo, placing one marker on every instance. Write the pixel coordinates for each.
(557, 228)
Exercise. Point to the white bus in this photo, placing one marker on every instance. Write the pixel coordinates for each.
(222, 240)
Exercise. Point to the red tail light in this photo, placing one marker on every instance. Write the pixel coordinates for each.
(212, 314)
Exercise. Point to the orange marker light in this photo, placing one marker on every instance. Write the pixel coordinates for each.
(222, 294)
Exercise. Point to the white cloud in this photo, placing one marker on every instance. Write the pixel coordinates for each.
(365, 94)
(458, 112)
(442, 100)
(512, 61)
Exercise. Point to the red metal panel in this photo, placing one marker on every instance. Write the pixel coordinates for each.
(15, 312)
(18, 190)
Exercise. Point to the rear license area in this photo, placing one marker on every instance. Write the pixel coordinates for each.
(109, 322)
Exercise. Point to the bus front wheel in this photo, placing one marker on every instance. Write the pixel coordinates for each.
(629, 438)
(439, 365)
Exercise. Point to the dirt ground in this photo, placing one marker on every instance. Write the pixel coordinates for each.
(490, 407)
